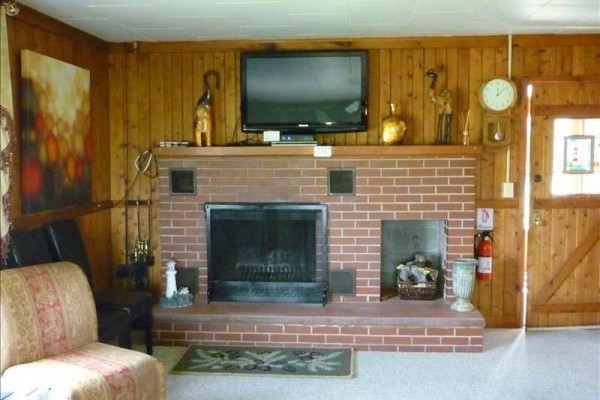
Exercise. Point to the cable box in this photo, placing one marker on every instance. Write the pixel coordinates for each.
(295, 143)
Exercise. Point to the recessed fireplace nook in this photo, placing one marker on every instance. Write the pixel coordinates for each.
(424, 192)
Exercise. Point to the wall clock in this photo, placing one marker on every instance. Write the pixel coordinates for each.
(498, 95)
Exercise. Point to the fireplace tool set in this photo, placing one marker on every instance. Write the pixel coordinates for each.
(140, 258)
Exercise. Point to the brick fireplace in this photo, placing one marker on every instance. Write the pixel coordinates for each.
(387, 188)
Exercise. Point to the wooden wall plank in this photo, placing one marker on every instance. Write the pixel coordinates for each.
(176, 83)
(231, 94)
(407, 94)
(430, 112)
(564, 61)
(374, 107)
(499, 264)
(397, 69)
(189, 96)
(579, 60)
(592, 60)
(420, 99)
(219, 96)
(451, 61)
(385, 88)
(118, 151)
(511, 292)
(167, 101)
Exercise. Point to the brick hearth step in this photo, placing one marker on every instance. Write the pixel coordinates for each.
(391, 325)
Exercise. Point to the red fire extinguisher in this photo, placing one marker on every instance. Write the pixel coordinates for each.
(483, 253)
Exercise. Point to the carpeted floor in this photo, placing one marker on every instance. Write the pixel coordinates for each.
(515, 365)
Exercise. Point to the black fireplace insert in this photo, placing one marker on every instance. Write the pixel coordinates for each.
(267, 252)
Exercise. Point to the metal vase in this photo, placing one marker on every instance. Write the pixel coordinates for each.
(463, 281)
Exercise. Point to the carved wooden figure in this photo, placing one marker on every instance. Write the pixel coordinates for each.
(443, 102)
(204, 130)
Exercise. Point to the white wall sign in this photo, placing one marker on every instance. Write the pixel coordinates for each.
(485, 219)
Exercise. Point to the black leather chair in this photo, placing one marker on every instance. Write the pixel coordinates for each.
(31, 247)
(67, 244)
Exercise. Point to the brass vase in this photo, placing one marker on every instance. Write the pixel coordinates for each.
(393, 128)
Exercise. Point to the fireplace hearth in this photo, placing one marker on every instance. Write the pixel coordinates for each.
(267, 252)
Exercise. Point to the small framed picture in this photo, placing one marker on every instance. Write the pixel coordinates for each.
(579, 154)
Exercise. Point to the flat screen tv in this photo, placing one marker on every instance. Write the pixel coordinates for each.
(304, 92)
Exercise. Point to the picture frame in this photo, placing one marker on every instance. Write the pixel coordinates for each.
(579, 154)
(57, 138)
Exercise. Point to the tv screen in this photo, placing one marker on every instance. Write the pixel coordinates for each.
(304, 92)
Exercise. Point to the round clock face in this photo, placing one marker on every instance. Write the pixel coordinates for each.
(498, 94)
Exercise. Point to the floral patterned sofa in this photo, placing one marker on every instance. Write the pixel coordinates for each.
(49, 340)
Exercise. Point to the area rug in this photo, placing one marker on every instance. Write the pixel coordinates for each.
(337, 363)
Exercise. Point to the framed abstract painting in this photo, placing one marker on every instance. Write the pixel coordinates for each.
(56, 136)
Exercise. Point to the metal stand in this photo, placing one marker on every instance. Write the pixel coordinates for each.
(140, 258)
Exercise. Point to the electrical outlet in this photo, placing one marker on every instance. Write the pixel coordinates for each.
(508, 191)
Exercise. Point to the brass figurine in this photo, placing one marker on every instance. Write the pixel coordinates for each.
(203, 119)
(443, 102)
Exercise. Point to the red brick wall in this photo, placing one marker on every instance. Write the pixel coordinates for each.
(363, 337)
(406, 188)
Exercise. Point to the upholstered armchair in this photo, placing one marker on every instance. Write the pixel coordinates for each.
(49, 340)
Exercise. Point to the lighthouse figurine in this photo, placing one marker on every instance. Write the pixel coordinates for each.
(171, 282)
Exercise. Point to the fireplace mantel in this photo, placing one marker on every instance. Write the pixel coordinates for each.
(339, 151)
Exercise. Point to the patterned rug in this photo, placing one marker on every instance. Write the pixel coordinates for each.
(266, 361)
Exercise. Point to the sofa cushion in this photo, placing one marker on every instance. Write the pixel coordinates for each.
(45, 310)
(94, 371)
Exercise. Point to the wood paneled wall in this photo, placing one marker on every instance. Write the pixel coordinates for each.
(34, 31)
(146, 93)
(154, 87)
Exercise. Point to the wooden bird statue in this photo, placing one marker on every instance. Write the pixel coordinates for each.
(443, 102)
(203, 118)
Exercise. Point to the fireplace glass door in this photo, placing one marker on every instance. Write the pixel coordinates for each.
(267, 252)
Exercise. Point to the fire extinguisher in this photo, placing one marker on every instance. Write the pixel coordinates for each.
(483, 253)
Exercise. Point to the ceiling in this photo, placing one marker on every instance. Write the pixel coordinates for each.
(193, 20)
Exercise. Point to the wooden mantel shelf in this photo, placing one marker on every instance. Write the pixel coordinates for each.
(337, 151)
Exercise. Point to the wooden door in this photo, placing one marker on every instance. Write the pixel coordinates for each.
(563, 259)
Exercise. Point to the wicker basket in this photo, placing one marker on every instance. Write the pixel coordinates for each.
(422, 291)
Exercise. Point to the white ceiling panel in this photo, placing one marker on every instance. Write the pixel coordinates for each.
(381, 12)
(168, 20)
(247, 14)
(436, 24)
(568, 12)
(66, 8)
(378, 30)
(446, 6)
(188, 8)
(116, 3)
(137, 16)
(318, 6)
(323, 25)
(113, 31)
(266, 32)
